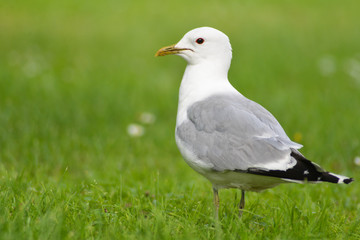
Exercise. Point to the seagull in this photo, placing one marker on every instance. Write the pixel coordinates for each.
(231, 140)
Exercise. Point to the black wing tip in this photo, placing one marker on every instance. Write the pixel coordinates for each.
(303, 171)
(348, 180)
(292, 175)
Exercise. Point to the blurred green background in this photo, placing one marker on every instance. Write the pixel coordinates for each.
(74, 75)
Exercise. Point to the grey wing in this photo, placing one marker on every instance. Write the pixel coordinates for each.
(234, 133)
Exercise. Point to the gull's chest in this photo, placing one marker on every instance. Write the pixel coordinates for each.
(189, 156)
(195, 88)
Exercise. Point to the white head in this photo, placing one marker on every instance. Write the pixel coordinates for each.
(203, 45)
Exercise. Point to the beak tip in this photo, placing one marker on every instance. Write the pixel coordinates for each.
(166, 51)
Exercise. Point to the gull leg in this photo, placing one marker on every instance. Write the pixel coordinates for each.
(216, 203)
(242, 203)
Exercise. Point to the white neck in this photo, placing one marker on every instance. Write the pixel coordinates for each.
(199, 82)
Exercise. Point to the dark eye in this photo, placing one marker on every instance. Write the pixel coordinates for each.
(200, 41)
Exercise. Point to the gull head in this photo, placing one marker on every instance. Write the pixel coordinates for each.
(201, 45)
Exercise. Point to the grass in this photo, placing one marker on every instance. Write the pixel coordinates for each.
(74, 75)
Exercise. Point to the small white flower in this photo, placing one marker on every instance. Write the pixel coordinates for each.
(135, 130)
(31, 68)
(147, 118)
(352, 68)
(357, 160)
(327, 65)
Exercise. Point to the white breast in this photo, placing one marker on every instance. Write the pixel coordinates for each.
(191, 159)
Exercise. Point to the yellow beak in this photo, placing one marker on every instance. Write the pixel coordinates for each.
(170, 50)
